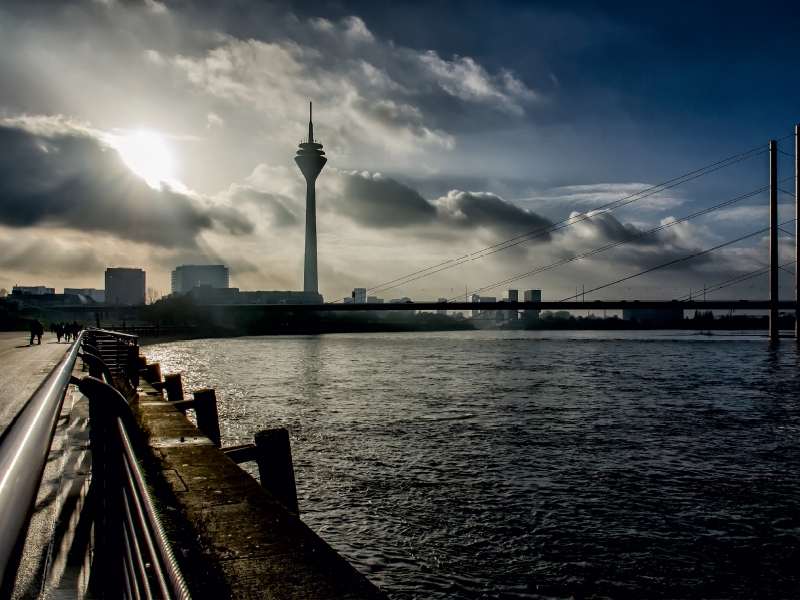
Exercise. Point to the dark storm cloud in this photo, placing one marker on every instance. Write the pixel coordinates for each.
(273, 204)
(70, 179)
(483, 209)
(383, 202)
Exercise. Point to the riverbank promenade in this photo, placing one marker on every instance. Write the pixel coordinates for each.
(23, 368)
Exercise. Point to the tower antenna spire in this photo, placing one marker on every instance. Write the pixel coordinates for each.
(310, 123)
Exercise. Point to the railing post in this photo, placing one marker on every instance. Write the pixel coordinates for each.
(106, 488)
(275, 468)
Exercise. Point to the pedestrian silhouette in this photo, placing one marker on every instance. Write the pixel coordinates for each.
(37, 330)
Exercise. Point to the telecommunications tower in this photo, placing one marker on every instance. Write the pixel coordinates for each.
(310, 158)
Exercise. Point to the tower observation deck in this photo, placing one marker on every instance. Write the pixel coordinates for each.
(310, 158)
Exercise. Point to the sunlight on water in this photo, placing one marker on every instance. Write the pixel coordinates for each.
(527, 464)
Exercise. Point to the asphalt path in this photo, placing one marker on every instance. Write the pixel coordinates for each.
(23, 368)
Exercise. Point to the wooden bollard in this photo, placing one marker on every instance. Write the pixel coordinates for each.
(132, 365)
(205, 407)
(173, 385)
(275, 466)
(151, 373)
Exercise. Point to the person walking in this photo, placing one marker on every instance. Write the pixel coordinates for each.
(37, 330)
(59, 331)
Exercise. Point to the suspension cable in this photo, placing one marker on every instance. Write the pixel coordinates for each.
(620, 242)
(572, 219)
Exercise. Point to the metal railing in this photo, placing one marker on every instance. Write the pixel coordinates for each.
(119, 351)
(23, 453)
(132, 554)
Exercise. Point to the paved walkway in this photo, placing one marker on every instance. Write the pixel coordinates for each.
(23, 368)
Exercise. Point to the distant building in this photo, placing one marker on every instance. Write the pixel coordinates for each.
(33, 290)
(442, 311)
(374, 300)
(205, 294)
(654, 316)
(403, 300)
(187, 277)
(475, 298)
(94, 294)
(531, 296)
(125, 287)
(511, 296)
(359, 295)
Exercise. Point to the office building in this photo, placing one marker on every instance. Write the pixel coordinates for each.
(310, 158)
(31, 290)
(531, 296)
(359, 295)
(125, 287)
(187, 277)
(511, 296)
(94, 294)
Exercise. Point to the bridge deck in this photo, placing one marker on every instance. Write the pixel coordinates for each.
(23, 368)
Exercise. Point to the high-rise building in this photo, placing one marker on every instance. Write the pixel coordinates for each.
(310, 158)
(511, 296)
(476, 298)
(187, 277)
(532, 296)
(125, 286)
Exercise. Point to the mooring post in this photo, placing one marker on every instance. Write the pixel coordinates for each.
(151, 373)
(796, 232)
(132, 365)
(773, 241)
(173, 385)
(205, 408)
(275, 466)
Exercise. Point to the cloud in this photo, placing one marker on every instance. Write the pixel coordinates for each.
(366, 90)
(374, 201)
(472, 210)
(59, 173)
(279, 208)
(600, 194)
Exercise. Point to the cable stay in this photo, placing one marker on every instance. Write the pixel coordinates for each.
(678, 260)
(573, 219)
(621, 242)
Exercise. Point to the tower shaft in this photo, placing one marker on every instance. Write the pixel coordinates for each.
(310, 278)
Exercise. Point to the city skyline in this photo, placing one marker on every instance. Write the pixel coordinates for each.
(180, 141)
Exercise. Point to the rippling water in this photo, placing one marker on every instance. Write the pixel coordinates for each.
(527, 464)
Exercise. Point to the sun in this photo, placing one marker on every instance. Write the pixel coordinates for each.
(148, 155)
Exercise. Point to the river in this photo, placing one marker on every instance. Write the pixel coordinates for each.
(490, 464)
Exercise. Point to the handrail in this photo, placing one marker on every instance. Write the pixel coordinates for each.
(111, 332)
(23, 453)
(145, 508)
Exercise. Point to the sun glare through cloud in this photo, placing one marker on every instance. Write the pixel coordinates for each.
(148, 155)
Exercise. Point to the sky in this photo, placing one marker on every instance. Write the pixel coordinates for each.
(154, 134)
